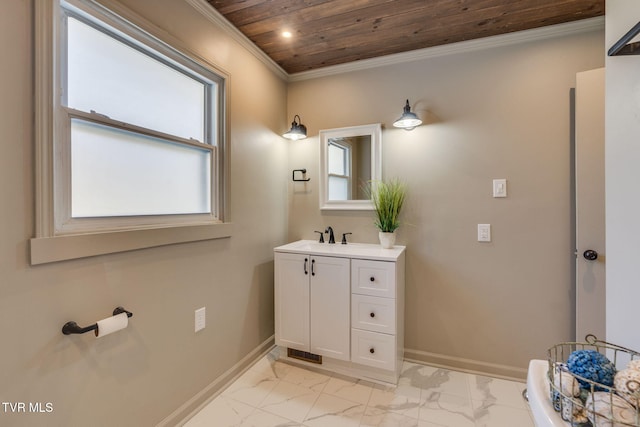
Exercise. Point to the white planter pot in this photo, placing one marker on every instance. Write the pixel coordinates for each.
(387, 240)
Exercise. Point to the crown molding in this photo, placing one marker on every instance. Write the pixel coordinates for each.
(216, 17)
(551, 31)
(559, 30)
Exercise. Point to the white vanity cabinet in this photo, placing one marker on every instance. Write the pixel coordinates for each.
(312, 304)
(344, 303)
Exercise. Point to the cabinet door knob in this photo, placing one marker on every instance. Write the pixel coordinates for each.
(372, 314)
(372, 350)
(373, 279)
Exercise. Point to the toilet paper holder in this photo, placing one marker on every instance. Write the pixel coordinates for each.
(73, 328)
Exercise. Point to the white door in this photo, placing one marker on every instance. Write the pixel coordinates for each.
(330, 307)
(590, 223)
(291, 300)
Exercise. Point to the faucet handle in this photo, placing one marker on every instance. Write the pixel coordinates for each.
(321, 236)
(344, 238)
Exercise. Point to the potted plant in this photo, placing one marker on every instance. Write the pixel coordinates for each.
(388, 198)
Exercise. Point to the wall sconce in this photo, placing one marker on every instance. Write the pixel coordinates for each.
(297, 131)
(408, 120)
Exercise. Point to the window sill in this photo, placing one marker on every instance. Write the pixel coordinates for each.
(61, 248)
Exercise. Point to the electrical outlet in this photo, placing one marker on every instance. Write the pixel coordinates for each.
(484, 232)
(201, 319)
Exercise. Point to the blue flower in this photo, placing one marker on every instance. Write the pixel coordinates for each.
(593, 366)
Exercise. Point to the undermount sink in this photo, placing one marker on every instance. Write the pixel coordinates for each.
(368, 250)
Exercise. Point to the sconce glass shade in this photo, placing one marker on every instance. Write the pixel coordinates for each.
(408, 120)
(297, 131)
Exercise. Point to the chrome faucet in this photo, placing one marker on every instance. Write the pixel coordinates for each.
(332, 238)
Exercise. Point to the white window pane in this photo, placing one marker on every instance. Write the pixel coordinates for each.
(336, 159)
(116, 80)
(338, 188)
(120, 173)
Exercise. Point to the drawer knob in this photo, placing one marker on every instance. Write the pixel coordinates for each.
(372, 314)
(373, 279)
(372, 350)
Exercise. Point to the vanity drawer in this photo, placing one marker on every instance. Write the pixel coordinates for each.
(373, 313)
(373, 349)
(376, 278)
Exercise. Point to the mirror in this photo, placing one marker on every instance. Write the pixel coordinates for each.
(350, 157)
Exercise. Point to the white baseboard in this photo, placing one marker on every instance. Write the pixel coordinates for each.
(466, 365)
(191, 407)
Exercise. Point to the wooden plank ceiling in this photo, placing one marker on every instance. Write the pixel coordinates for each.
(331, 32)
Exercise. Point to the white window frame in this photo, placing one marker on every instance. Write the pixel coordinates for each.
(60, 237)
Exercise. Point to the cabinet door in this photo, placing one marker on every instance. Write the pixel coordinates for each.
(330, 306)
(291, 300)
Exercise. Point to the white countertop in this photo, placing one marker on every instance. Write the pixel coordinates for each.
(350, 250)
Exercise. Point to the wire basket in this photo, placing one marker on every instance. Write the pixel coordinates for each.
(583, 402)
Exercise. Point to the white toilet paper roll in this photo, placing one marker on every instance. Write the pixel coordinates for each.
(112, 324)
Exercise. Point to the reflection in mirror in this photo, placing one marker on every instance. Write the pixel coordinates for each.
(350, 159)
(348, 167)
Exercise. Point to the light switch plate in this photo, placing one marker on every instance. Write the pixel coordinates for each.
(499, 188)
(200, 319)
(484, 232)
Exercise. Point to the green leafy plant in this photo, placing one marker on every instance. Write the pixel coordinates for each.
(388, 198)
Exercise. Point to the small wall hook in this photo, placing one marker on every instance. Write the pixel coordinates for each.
(293, 175)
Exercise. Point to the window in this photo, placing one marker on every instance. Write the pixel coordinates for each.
(130, 131)
(339, 170)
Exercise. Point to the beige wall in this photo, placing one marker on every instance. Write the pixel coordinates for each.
(622, 156)
(138, 376)
(494, 113)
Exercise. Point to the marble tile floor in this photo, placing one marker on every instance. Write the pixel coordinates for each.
(273, 393)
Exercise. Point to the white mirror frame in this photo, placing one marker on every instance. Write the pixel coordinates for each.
(373, 130)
